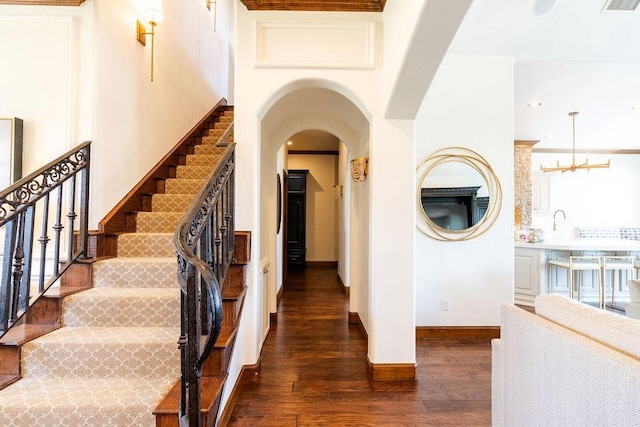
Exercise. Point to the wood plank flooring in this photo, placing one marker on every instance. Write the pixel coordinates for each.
(314, 370)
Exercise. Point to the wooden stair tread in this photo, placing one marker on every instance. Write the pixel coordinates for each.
(227, 334)
(21, 334)
(210, 390)
(63, 291)
(6, 380)
(233, 292)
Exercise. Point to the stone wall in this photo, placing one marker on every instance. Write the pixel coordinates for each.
(523, 191)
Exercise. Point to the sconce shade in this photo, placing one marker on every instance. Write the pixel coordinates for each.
(153, 11)
(337, 191)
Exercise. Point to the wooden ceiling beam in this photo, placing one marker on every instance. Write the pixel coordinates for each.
(44, 2)
(317, 5)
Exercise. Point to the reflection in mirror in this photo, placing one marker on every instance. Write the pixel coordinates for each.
(10, 151)
(454, 195)
(459, 195)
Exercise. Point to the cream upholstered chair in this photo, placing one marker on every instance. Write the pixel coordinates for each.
(615, 264)
(632, 309)
(579, 263)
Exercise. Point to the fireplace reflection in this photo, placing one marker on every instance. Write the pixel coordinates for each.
(454, 208)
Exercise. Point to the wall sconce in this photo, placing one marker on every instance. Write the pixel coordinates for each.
(337, 191)
(153, 14)
(359, 169)
(215, 11)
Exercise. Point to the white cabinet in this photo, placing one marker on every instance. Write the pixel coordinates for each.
(541, 189)
(529, 275)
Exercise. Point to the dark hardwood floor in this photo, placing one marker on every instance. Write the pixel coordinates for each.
(313, 370)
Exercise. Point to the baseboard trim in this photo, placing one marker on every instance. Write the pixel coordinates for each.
(345, 289)
(333, 264)
(247, 371)
(455, 332)
(354, 319)
(391, 371)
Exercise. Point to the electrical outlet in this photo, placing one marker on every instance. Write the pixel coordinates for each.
(446, 305)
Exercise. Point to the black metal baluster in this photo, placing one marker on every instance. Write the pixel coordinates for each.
(83, 238)
(18, 263)
(7, 266)
(43, 240)
(71, 216)
(57, 228)
(29, 224)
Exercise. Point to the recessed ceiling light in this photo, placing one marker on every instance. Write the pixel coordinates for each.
(540, 7)
(289, 143)
(534, 104)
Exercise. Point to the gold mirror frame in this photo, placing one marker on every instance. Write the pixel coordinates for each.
(469, 157)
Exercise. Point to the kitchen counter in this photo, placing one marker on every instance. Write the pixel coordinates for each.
(583, 245)
(530, 278)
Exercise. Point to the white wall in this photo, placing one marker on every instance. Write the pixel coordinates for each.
(596, 198)
(138, 121)
(78, 73)
(469, 104)
(321, 206)
(344, 216)
(46, 77)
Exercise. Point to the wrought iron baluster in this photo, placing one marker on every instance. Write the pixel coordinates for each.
(18, 263)
(7, 267)
(57, 228)
(44, 239)
(71, 216)
(29, 224)
(83, 242)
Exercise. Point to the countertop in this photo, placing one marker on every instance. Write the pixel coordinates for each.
(583, 245)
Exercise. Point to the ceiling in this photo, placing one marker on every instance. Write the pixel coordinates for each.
(314, 140)
(576, 57)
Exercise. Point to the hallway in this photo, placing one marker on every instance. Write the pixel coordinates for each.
(313, 370)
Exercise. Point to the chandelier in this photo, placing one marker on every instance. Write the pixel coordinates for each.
(573, 166)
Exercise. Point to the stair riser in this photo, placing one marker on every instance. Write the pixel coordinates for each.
(193, 172)
(136, 273)
(231, 312)
(127, 312)
(177, 203)
(146, 245)
(217, 364)
(183, 186)
(101, 360)
(208, 149)
(163, 222)
(202, 160)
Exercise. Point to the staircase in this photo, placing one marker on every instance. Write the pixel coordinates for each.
(115, 360)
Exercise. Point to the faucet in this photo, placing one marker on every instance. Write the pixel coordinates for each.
(554, 217)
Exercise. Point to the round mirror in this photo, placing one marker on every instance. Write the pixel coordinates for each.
(459, 196)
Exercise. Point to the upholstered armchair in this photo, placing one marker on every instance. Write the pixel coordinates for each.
(633, 308)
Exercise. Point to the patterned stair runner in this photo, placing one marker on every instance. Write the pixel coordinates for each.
(116, 355)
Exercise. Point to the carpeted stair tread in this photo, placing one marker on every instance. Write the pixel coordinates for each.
(103, 352)
(136, 272)
(128, 307)
(171, 202)
(146, 245)
(157, 222)
(95, 402)
(202, 160)
(193, 172)
(183, 186)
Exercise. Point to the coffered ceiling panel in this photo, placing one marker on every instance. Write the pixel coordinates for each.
(317, 5)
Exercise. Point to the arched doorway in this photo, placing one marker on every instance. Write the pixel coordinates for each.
(293, 110)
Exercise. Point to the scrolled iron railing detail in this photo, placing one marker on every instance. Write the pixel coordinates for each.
(202, 265)
(20, 205)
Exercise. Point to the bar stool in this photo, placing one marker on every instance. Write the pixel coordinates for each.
(616, 264)
(578, 263)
